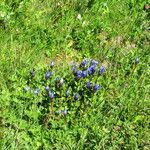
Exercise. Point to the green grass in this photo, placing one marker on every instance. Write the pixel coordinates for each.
(114, 32)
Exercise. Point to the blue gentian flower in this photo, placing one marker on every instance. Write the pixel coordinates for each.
(36, 91)
(47, 88)
(96, 87)
(51, 94)
(79, 74)
(84, 73)
(76, 96)
(48, 74)
(83, 63)
(88, 84)
(91, 69)
(101, 70)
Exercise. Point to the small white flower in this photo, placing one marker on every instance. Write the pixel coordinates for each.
(79, 17)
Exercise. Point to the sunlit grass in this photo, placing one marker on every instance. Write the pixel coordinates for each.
(113, 32)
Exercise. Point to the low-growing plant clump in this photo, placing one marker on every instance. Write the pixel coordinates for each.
(56, 94)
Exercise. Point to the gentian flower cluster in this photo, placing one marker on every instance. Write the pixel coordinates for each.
(87, 68)
(64, 90)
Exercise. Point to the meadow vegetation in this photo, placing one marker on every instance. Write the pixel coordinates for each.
(74, 74)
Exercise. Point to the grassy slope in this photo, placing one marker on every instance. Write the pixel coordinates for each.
(114, 32)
